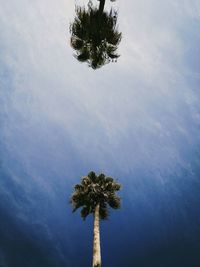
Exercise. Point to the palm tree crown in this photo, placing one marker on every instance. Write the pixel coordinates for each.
(96, 190)
(95, 36)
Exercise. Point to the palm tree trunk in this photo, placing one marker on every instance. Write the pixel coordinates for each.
(101, 6)
(96, 242)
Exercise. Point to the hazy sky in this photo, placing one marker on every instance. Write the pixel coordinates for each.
(137, 120)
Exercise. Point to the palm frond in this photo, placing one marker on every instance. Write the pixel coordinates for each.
(114, 201)
(84, 212)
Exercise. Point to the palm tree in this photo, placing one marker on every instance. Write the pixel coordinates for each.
(95, 36)
(93, 195)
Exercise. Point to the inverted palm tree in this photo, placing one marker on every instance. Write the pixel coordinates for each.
(94, 35)
(93, 195)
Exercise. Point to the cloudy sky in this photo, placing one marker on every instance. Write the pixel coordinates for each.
(137, 120)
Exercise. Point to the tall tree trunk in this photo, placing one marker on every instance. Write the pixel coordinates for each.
(101, 6)
(96, 242)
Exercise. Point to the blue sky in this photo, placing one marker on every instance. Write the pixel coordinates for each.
(137, 120)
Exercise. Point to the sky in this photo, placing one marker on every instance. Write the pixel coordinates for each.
(137, 120)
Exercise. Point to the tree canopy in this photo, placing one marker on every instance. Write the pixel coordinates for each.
(94, 36)
(95, 189)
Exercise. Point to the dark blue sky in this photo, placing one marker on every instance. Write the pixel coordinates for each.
(137, 120)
